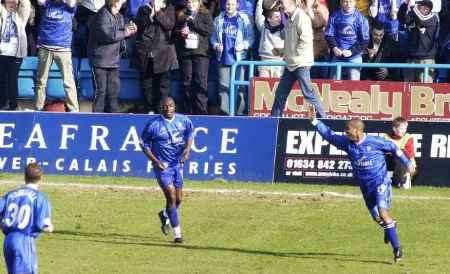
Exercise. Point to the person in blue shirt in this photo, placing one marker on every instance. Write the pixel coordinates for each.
(367, 156)
(166, 140)
(347, 34)
(231, 40)
(25, 213)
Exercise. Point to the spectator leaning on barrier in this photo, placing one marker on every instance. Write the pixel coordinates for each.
(382, 49)
(193, 28)
(347, 35)
(231, 39)
(385, 11)
(423, 31)
(272, 33)
(106, 42)
(405, 142)
(299, 56)
(55, 42)
(13, 47)
(155, 53)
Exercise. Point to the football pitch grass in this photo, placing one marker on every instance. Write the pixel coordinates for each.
(116, 230)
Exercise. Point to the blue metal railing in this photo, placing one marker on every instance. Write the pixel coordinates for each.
(339, 65)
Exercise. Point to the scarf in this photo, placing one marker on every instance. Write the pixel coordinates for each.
(273, 29)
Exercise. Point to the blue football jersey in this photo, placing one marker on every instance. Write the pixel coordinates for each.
(167, 139)
(367, 157)
(25, 210)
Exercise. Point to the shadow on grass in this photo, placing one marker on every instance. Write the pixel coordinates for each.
(142, 240)
(110, 236)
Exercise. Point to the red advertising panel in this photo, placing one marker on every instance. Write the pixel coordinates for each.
(369, 100)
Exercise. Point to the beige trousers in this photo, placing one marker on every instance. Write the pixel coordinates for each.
(63, 60)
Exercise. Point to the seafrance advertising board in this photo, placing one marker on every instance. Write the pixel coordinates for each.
(230, 148)
(101, 144)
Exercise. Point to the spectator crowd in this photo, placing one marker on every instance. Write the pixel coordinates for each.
(199, 40)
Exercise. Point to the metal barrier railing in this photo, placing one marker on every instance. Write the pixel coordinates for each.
(338, 65)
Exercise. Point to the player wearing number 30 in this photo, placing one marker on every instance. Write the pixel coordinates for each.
(25, 213)
(367, 156)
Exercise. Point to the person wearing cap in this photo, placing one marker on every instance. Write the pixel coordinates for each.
(422, 36)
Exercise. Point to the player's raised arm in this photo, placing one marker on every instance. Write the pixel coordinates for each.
(328, 134)
(389, 146)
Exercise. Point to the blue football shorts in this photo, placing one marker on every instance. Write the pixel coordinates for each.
(20, 254)
(380, 197)
(170, 176)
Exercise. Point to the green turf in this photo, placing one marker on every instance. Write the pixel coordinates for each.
(110, 231)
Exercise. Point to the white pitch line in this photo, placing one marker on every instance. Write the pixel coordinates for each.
(222, 191)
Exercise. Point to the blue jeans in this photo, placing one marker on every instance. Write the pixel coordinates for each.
(287, 80)
(348, 73)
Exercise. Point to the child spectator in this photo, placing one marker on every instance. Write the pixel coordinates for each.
(404, 141)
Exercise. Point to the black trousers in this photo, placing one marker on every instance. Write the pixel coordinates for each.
(9, 74)
(107, 88)
(155, 86)
(195, 83)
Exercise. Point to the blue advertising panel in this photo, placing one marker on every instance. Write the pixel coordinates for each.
(231, 148)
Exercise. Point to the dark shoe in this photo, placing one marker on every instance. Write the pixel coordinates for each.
(165, 227)
(398, 254)
(178, 240)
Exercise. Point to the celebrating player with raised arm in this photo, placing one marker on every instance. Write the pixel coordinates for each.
(366, 154)
(25, 212)
(167, 141)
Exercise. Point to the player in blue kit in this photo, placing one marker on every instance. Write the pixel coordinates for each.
(167, 141)
(25, 213)
(367, 156)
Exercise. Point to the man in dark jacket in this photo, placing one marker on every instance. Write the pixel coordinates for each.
(106, 40)
(193, 27)
(423, 27)
(382, 49)
(155, 53)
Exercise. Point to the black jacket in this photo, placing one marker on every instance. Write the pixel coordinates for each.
(106, 39)
(154, 39)
(423, 32)
(202, 24)
(388, 52)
